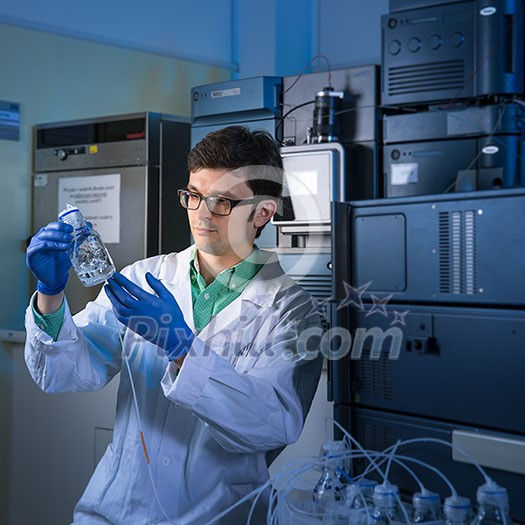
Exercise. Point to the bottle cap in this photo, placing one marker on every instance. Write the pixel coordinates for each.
(457, 508)
(492, 494)
(73, 216)
(366, 483)
(355, 493)
(334, 448)
(386, 494)
(426, 500)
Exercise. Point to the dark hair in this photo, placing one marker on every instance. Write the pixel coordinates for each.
(236, 147)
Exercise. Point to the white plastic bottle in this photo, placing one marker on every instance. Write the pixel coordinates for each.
(458, 511)
(427, 508)
(493, 505)
(89, 257)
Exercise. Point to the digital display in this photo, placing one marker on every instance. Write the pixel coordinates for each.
(306, 188)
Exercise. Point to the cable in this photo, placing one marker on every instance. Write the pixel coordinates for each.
(306, 67)
(324, 57)
(281, 121)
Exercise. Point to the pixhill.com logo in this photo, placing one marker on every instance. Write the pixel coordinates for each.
(338, 342)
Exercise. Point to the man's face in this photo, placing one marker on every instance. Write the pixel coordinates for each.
(230, 235)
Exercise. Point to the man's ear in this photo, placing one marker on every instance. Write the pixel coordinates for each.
(264, 212)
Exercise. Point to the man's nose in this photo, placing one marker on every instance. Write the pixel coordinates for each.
(203, 211)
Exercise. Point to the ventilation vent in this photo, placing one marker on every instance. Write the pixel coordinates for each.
(457, 252)
(320, 286)
(376, 376)
(444, 253)
(375, 437)
(371, 436)
(422, 78)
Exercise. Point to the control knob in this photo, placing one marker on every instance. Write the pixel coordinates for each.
(61, 154)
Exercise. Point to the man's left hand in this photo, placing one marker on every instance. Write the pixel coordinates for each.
(156, 317)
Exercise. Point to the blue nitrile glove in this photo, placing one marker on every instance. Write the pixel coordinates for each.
(156, 317)
(47, 257)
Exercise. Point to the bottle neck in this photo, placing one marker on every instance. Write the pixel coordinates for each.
(75, 219)
(487, 509)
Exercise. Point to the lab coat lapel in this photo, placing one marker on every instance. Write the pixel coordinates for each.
(224, 319)
(179, 284)
(260, 293)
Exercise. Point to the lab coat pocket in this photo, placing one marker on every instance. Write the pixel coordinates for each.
(99, 483)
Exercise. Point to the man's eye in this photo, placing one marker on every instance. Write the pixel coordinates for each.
(222, 202)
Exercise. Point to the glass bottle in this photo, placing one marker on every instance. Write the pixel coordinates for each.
(427, 508)
(329, 490)
(359, 501)
(387, 506)
(89, 257)
(458, 511)
(493, 505)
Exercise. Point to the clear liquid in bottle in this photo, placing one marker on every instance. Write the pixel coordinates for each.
(89, 257)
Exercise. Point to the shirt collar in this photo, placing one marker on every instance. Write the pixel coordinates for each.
(235, 276)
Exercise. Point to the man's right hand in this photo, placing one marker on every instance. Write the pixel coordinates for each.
(47, 257)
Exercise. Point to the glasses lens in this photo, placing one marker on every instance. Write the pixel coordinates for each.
(189, 200)
(219, 206)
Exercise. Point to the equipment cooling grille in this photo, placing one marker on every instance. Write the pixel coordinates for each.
(457, 252)
(318, 285)
(422, 78)
(375, 376)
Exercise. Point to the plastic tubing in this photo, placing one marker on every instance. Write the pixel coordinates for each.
(398, 459)
(433, 469)
(391, 456)
(256, 493)
(386, 456)
(289, 474)
(139, 419)
(358, 445)
(292, 473)
(411, 472)
(287, 486)
(418, 462)
(273, 507)
(423, 464)
(277, 497)
(450, 445)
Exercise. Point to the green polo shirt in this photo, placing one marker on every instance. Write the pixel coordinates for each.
(50, 323)
(209, 300)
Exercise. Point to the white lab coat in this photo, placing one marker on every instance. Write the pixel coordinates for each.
(241, 392)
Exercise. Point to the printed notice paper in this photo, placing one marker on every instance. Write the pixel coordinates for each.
(98, 198)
